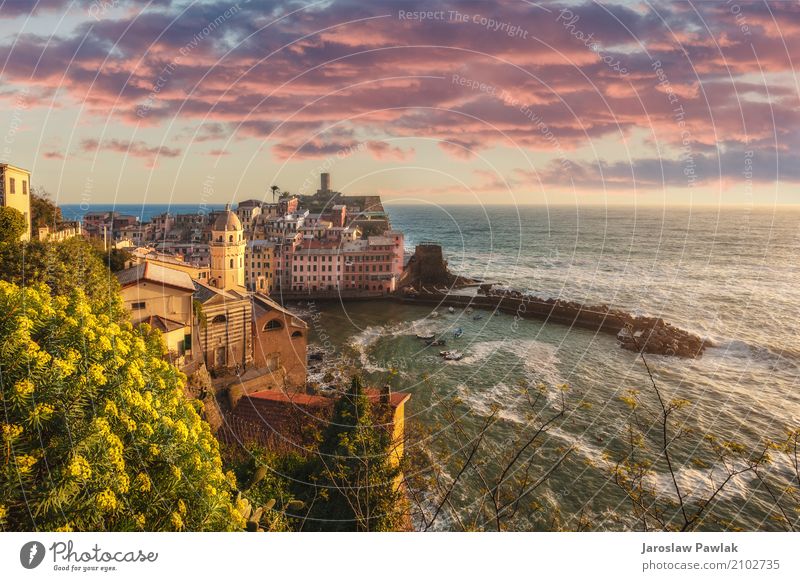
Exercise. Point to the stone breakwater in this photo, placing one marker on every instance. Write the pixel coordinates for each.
(636, 333)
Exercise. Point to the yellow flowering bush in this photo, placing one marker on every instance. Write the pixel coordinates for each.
(96, 432)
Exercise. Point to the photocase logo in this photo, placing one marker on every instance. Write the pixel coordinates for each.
(31, 554)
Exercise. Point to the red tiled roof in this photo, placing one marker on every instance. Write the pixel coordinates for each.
(301, 399)
(289, 416)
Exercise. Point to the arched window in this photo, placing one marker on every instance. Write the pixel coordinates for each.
(219, 319)
(230, 238)
(296, 334)
(273, 325)
(231, 262)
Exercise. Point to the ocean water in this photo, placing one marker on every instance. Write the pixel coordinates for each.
(144, 211)
(730, 275)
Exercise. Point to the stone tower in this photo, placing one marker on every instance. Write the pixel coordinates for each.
(227, 248)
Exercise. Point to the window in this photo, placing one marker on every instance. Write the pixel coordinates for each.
(24, 187)
(273, 325)
(231, 262)
(137, 306)
(273, 362)
(219, 319)
(12, 185)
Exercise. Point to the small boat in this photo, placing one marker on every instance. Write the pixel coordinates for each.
(435, 342)
(434, 314)
(469, 310)
(428, 337)
(451, 355)
(458, 332)
(477, 317)
(451, 310)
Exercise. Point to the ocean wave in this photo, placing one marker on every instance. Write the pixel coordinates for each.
(697, 483)
(540, 362)
(507, 399)
(366, 339)
(739, 349)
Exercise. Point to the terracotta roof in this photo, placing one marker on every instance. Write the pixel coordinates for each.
(319, 401)
(289, 416)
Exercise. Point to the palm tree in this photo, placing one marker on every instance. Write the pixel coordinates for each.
(274, 192)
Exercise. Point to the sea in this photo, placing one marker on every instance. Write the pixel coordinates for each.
(731, 275)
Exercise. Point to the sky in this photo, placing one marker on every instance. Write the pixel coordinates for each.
(512, 102)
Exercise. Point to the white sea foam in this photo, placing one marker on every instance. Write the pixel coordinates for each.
(540, 362)
(363, 342)
(696, 483)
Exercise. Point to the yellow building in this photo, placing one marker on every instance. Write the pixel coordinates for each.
(259, 266)
(227, 247)
(162, 298)
(15, 185)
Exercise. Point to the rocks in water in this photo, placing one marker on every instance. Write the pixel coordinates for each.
(427, 267)
(655, 336)
(636, 333)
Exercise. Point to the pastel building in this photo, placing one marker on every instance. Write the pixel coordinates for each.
(281, 343)
(162, 298)
(247, 212)
(372, 265)
(15, 184)
(259, 263)
(227, 248)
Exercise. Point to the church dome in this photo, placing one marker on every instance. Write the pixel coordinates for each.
(227, 221)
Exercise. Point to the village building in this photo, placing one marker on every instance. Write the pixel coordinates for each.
(169, 260)
(227, 249)
(226, 334)
(259, 262)
(162, 298)
(15, 185)
(281, 342)
(225, 327)
(247, 211)
(64, 231)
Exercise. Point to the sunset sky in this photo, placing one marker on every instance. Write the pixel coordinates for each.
(640, 102)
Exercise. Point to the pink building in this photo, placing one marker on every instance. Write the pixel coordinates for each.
(368, 265)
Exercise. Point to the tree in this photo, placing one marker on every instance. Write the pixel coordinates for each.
(653, 434)
(64, 267)
(506, 478)
(96, 432)
(43, 211)
(12, 225)
(115, 259)
(275, 190)
(355, 482)
(265, 483)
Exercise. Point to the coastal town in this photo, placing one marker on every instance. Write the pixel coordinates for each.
(214, 283)
(221, 287)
